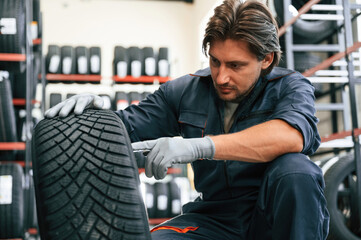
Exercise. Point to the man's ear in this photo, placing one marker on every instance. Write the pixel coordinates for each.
(267, 61)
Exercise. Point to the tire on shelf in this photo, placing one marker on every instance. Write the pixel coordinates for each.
(12, 32)
(82, 60)
(306, 31)
(68, 60)
(55, 98)
(53, 60)
(135, 61)
(163, 62)
(86, 179)
(8, 131)
(341, 196)
(161, 199)
(149, 62)
(120, 62)
(107, 101)
(36, 24)
(150, 200)
(174, 201)
(95, 60)
(145, 94)
(11, 201)
(32, 221)
(121, 101)
(135, 97)
(18, 80)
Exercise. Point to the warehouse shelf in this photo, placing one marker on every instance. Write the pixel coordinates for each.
(20, 162)
(156, 221)
(12, 57)
(4, 146)
(37, 41)
(22, 101)
(73, 77)
(141, 79)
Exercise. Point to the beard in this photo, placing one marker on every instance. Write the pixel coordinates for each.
(239, 96)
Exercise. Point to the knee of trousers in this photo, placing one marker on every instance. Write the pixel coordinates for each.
(292, 163)
(291, 172)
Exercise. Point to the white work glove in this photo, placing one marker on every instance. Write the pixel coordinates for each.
(78, 102)
(164, 152)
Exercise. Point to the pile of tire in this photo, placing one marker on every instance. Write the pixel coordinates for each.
(122, 99)
(73, 60)
(306, 31)
(17, 198)
(162, 199)
(136, 62)
(341, 197)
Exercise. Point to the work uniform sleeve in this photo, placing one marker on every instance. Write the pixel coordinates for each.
(296, 106)
(156, 116)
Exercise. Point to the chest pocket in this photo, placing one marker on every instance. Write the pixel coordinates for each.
(192, 124)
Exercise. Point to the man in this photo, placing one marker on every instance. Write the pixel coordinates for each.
(247, 128)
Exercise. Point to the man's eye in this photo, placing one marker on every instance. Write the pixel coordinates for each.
(234, 65)
(214, 60)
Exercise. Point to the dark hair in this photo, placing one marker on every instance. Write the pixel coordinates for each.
(250, 21)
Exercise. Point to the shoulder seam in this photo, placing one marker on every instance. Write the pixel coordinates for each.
(281, 76)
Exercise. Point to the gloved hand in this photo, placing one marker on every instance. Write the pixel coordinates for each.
(168, 151)
(78, 102)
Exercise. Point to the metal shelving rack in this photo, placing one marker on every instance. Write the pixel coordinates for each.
(28, 102)
(344, 47)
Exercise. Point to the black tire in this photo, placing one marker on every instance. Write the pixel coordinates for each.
(149, 63)
(307, 31)
(13, 42)
(82, 60)
(163, 62)
(69, 95)
(340, 193)
(121, 62)
(12, 209)
(135, 97)
(18, 80)
(68, 60)
(150, 199)
(145, 94)
(32, 221)
(107, 101)
(161, 199)
(135, 61)
(53, 59)
(121, 100)
(55, 98)
(86, 179)
(36, 15)
(95, 56)
(8, 131)
(174, 204)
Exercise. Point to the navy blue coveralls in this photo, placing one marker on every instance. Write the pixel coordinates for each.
(282, 199)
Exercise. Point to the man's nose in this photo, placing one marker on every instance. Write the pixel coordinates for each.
(223, 76)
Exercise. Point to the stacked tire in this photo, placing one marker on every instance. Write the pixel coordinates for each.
(15, 191)
(136, 62)
(69, 60)
(341, 196)
(163, 199)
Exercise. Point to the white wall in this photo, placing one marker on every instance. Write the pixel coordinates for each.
(107, 23)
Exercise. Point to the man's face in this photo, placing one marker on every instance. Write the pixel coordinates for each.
(234, 68)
